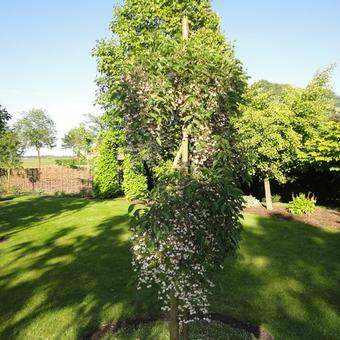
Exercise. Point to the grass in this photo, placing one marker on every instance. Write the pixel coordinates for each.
(46, 161)
(65, 269)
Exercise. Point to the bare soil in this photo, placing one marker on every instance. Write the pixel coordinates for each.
(322, 217)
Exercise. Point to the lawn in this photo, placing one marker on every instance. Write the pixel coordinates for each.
(32, 162)
(65, 268)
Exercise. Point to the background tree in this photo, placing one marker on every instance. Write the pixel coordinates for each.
(168, 94)
(266, 136)
(37, 130)
(80, 140)
(280, 123)
(4, 118)
(10, 153)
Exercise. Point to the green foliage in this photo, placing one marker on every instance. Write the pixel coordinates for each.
(80, 140)
(311, 106)
(135, 184)
(69, 163)
(154, 84)
(194, 221)
(36, 129)
(162, 169)
(106, 183)
(323, 151)
(266, 136)
(282, 126)
(10, 150)
(4, 118)
(302, 204)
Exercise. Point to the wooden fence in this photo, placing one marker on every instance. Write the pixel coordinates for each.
(48, 179)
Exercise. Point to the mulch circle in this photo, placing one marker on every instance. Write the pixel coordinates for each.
(116, 325)
(322, 217)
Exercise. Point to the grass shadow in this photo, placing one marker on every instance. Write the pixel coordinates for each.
(81, 279)
(286, 277)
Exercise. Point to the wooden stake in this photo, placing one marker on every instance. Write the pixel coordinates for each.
(177, 158)
(185, 151)
(185, 28)
(185, 160)
(185, 139)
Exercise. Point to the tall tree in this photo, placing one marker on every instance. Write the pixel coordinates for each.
(266, 136)
(170, 94)
(80, 140)
(10, 152)
(4, 118)
(37, 130)
(279, 124)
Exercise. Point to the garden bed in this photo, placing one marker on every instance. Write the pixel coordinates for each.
(322, 217)
(220, 327)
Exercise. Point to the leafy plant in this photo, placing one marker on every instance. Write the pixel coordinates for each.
(251, 202)
(134, 183)
(302, 204)
(192, 225)
(106, 180)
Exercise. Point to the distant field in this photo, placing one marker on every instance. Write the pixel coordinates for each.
(32, 162)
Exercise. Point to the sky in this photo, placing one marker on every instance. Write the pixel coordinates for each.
(46, 49)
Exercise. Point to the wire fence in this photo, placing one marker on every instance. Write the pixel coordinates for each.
(52, 179)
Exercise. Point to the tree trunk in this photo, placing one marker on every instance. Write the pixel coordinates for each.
(39, 160)
(269, 204)
(185, 327)
(8, 180)
(173, 319)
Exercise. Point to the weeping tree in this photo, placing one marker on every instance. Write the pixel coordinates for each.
(173, 92)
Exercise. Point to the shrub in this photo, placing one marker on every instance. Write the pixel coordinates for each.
(302, 204)
(251, 202)
(106, 180)
(135, 184)
(70, 163)
(275, 199)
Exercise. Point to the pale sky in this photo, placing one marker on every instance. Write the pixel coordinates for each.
(46, 62)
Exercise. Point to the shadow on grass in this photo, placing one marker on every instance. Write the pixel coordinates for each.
(286, 277)
(20, 214)
(89, 275)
